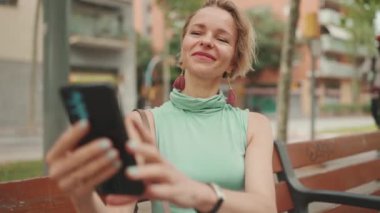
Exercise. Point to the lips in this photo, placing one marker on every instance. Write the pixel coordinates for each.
(204, 54)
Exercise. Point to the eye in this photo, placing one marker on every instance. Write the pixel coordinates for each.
(222, 40)
(195, 32)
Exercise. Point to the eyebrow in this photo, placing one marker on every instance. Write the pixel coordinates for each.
(219, 30)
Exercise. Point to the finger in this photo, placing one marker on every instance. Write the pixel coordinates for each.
(117, 200)
(88, 176)
(148, 152)
(68, 140)
(143, 133)
(79, 157)
(131, 130)
(146, 136)
(149, 173)
(102, 175)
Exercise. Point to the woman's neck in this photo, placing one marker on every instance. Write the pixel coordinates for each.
(201, 87)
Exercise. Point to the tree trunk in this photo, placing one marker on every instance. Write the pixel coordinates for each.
(285, 71)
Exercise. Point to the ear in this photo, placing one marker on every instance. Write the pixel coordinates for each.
(229, 71)
(180, 64)
(231, 67)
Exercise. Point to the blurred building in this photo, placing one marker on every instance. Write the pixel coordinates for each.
(102, 49)
(338, 64)
(261, 94)
(16, 42)
(102, 45)
(149, 22)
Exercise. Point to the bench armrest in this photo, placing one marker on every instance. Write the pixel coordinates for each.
(345, 198)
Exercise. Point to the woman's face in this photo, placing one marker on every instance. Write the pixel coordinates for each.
(208, 46)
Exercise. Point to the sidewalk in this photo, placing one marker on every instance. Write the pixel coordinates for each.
(31, 148)
(299, 129)
(20, 148)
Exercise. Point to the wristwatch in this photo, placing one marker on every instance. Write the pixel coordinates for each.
(220, 196)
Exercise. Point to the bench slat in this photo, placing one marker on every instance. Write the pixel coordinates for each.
(343, 179)
(33, 195)
(319, 151)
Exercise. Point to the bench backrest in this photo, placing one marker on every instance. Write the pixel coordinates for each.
(345, 163)
(32, 195)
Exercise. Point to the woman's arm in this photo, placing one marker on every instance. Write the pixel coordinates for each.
(259, 195)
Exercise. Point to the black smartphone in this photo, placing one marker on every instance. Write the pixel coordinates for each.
(98, 104)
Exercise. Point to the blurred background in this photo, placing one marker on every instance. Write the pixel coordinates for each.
(134, 44)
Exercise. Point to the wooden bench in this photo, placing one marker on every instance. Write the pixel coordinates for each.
(344, 173)
(349, 162)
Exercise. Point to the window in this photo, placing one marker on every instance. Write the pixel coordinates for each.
(96, 20)
(8, 2)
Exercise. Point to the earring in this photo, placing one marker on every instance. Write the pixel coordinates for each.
(231, 97)
(179, 82)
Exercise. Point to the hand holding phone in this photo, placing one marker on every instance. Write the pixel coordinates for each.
(99, 105)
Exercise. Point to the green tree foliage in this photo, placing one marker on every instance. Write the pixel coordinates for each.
(144, 53)
(359, 21)
(269, 33)
(180, 8)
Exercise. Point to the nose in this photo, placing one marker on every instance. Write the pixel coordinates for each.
(206, 41)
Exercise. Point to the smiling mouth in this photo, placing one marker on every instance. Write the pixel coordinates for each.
(204, 55)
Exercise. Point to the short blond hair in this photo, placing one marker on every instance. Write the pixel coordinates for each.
(245, 50)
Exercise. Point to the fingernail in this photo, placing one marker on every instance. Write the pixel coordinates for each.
(104, 144)
(132, 170)
(83, 123)
(111, 154)
(132, 144)
(116, 164)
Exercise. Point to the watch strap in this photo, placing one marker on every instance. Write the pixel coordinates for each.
(220, 197)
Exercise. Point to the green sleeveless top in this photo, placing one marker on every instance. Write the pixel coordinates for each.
(205, 138)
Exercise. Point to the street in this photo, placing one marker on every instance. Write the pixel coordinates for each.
(299, 129)
(31, 148)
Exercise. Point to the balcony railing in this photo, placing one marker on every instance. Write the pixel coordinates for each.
(109, 2)
(334, 45)
(329, 17)
(94, 42)
(334, 69)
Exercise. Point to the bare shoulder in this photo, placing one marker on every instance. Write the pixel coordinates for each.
(257, 117)
(258, 125)
(136, 115)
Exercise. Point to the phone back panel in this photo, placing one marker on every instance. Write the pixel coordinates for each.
(98, 104)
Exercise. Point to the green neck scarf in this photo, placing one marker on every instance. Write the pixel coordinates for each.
(198, 105)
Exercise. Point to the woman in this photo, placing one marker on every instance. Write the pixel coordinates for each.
(194, 139)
